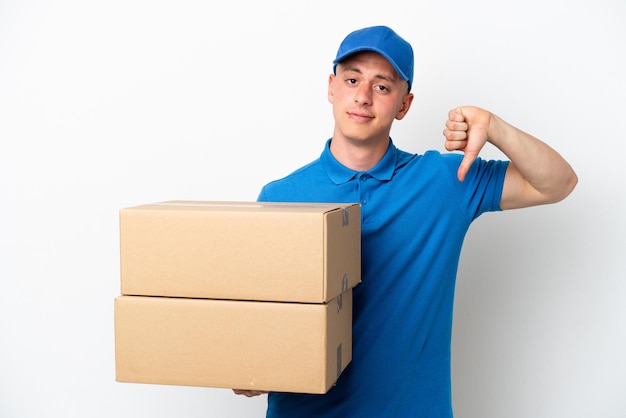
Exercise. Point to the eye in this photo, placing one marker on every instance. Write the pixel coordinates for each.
(381, 88)
(351, 80)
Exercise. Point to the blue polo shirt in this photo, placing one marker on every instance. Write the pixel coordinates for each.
(415, 214)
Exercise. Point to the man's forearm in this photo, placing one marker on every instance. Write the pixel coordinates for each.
(535, 165)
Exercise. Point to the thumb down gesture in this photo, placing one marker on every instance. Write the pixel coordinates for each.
(466, 130)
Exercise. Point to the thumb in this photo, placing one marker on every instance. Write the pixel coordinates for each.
(466, 163)
(478, 122)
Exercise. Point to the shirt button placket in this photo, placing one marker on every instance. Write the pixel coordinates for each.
(363, 189)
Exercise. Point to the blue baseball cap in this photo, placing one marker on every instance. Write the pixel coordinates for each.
(384, 41)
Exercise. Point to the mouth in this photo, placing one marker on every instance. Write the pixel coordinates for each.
(360, 116)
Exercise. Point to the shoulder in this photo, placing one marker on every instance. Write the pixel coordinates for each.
(452, 160)
(434, 167)
(430, 160)
(303, 172)
(292, 182)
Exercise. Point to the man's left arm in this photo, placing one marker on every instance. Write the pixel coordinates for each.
(536, 175)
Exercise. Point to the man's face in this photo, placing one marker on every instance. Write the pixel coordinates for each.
(367, 95)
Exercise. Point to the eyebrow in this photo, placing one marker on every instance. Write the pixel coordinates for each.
(383, 76)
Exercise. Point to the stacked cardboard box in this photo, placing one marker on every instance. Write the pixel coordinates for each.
(242, 295)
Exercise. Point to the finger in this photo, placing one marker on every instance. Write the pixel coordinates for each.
(453, 133)
(456, 126)
(456, 145)
(466, 163)
(456, 115)
(249, 393)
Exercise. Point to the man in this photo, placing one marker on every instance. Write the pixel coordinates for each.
(416, 210)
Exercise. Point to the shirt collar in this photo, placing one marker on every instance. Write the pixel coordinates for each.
(339, 174)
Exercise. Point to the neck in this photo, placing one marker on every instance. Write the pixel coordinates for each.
(358, 156)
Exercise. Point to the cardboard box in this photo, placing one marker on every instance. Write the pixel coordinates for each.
(271, 346)
(290, 252)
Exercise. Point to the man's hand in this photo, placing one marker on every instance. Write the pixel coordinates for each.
(249, 393)
(467, 130)
(536, 175)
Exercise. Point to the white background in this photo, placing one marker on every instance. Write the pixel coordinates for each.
(109, 104)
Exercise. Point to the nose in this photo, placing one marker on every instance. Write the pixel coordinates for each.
(363, 95)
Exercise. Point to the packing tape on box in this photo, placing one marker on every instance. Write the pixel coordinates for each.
(344, 288)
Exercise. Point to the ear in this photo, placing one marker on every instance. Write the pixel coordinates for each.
(405, 106)
(331, 91)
